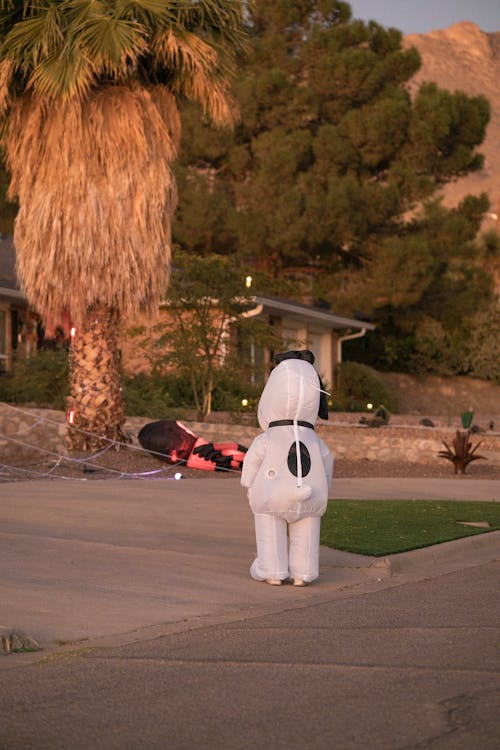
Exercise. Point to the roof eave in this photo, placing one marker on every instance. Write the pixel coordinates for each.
(314, 314)
(12, 294)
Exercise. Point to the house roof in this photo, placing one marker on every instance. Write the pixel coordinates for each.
(312, 314)
(9, 288)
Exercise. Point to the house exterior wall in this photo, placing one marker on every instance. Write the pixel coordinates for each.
(302, 335)
(295, 333)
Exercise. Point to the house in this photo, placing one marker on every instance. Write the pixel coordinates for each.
(295, 325)
(303, 326)
(298, 325)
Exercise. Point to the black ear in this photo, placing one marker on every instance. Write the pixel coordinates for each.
(304, 354)
(323, 403)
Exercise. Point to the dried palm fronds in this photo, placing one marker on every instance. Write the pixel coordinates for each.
(198, 75)
(6, 71)
(96, 195)
(169, 111)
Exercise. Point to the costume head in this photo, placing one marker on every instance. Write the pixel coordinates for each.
(293, 391)
(169, 438)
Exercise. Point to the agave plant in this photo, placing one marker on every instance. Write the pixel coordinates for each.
(90, 126)
(461, 454)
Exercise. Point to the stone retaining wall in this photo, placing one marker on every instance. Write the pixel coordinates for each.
(22, 428)
(357, 442)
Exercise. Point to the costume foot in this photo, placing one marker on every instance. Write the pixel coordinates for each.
(299, 582)
(273, 581)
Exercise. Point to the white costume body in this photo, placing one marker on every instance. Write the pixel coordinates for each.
(288, 496)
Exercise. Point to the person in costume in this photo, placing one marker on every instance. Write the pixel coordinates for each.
(288, 471)
(172, 441)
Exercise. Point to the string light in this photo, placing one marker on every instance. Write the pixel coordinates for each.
(248, 282)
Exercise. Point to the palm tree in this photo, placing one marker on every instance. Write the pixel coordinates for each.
(89, 93)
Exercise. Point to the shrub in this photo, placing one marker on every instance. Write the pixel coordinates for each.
(358, 385)
(231, 389)
(42, 379)
(167, 395)
(158, 396)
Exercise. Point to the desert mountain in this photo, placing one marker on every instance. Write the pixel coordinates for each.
(465, 58)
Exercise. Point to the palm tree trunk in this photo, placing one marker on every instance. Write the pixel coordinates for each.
(95, 404)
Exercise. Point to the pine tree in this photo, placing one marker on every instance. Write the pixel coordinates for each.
(333, 174)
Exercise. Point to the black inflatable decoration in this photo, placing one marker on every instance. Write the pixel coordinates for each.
(171, 441)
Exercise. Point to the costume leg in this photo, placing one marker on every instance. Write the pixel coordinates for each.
(304, 548)
(272, 548)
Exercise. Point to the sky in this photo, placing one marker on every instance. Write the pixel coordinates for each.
(422, 16)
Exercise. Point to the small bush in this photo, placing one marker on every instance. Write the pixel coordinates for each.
(167, 396)
(42, 379)
(359, 385)
(231, 389)
(158, 396)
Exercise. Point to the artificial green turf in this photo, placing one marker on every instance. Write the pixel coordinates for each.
(384, 527)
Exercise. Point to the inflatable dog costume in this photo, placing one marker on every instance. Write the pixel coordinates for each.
(288, 471)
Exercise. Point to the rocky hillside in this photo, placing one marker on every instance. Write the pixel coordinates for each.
(465, 58)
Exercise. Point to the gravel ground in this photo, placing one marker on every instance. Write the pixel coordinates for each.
(128, 463)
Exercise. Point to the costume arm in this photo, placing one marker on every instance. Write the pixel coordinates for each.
(253, 459)
(234, 451)
(221, 456)
(197, 461)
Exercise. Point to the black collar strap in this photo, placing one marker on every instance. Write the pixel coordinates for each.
(287, 422)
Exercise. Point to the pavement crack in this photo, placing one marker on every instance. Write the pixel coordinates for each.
(463, 714)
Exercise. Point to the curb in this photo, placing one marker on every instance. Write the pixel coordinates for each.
(456, 554)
